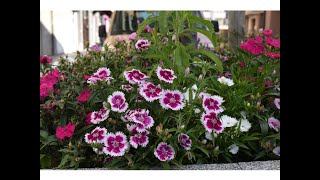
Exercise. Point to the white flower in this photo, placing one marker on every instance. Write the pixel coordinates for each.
(197, 110)
(245, 125)
(226, 81)
(209, 136)
(228, 121)
(233, 149)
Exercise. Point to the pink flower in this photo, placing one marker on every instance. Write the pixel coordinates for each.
(172, 100)
(211, 122)
(228, 75)
(45, 89)
(277, 102)
(253, 47)
(86, 77)
(100, 116)
(147, 28)
(142, 44)
(241, 64)
(84, 95)
(65, 131)
(133, 36)
(272, 55)
(268, 83)
(259, 39)
(96, 136)
(212, 104)
(88, 118)
(134, 76)
(45, 59)
(95, 47)
(118, 102)
(185, 141)
(126, 87)
(143, 120)
(166, 75)
(267, 32)
(273, 42)
(139, 138)
(274, 123)
(164, 152)
(128, 116)
(115, 144)
(150, 92)
(50, 78)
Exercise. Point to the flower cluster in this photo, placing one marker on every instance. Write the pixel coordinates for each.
(102, 74)
(47, 83)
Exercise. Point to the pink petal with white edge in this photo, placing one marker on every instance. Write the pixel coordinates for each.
(166, 75)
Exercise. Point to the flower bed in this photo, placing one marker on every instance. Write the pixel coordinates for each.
(157, 102)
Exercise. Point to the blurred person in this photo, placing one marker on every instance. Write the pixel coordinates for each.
(103, 29)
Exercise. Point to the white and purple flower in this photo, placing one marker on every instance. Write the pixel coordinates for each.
(142, 44)
(139, 138)
(277, 102)
(166, 75)
(96, 136)
(134, 76)
(274, 123)
(164, 152)
(102, 74)
(211, 122)
(118, 102)
(212, 103)
(99, 116)
(143, 120)
(150, 92)
(185, 141)
(115, 144)
(172, 100)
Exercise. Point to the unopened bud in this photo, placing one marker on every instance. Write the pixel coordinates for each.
(204, 141)
(200, 77)
(187, 71)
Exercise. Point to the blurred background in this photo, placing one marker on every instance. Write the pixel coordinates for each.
(65, 32)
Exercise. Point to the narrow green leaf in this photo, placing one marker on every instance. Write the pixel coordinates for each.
(146, 22)
(240, 144)
(203, 150)
(44, 134)
(64, 160)
(212, 56)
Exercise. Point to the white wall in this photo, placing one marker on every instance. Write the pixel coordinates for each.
(45, 33)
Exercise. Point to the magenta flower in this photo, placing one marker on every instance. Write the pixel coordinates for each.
(50, 78)
(147, 28)
(45, 59)
(212, 104)
(277, 102)
(276, 150)
(134, 76)
(143, 120)
(88, 118)
(139, 138)
(185, 141)
(274, 123)
(228, 75)
(166, 75)
(273, 42)
(126, 87)
(164, 152)
(84, 95)
(267, 32)
(253, 46)
(45, 89)
(95, 47)
(115, 144)
(272, 55)
(100, 116)
(172, 100)
(150, 92)
(211, 122)
(127, 117)
(143, 44)
(268, 83)
(96, 136)
(259, 39)
(118, 102)
(132, 36)
(241, 64)
(65, 131)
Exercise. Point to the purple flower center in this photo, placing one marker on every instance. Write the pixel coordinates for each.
(118, 101)
(135, 74)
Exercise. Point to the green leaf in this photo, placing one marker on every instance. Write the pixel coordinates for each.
(60, 105)
(83, 129)
(49, 140)
(64, 160)
(203, 150)
(181, 58)
(146, 22)
(276, 136)
(249, 138)
(212, 56)
(163, 21)
(166, 165)
(44, 134)
(129, 159)
(41, 156)
(264, 126)
(259, 155)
